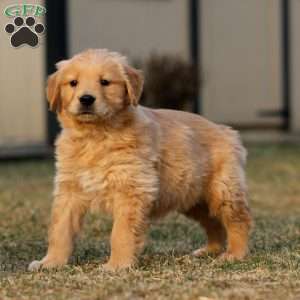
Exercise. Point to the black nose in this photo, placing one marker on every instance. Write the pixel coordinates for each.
(87, 100)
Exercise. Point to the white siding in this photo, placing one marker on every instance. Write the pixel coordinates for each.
(22, 80)
(295, 64)
(241, 57)
(134, 27)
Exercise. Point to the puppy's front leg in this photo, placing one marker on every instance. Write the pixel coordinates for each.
(67, 214)
(131, 220)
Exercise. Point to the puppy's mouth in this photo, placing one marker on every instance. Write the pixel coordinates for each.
(86, 115)
(86, 110)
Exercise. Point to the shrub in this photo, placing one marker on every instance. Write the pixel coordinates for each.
(170, 82)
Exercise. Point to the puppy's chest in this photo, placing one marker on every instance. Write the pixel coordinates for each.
(103, 170)
(93, 179)
(95, 182)
(98, 171)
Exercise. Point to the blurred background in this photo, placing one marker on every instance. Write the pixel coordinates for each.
(234, 62)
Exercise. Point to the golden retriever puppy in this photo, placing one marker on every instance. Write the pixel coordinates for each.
(137, 164)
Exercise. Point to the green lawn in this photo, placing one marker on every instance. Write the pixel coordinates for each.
(166, 269)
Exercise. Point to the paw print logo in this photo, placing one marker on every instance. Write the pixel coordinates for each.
(24, 33)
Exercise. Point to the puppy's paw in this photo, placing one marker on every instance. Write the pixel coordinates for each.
(37, 265)
(231, 257)
(117, 266)
(206, 250)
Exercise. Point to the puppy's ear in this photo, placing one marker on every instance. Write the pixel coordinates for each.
(134, 81)
(53, 89)
(53, 92)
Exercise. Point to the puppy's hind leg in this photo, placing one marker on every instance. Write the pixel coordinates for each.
(237, 221)
(214, 230)
(228, 203)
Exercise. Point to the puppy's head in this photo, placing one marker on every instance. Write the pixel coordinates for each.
(94, 85)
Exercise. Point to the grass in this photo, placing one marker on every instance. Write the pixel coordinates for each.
(166, 269)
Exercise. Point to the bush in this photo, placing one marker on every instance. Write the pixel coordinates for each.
(170, 82)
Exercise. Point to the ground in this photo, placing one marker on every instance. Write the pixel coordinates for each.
(166, 269)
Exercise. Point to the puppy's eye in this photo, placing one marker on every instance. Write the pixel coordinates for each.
(104, 82)
(73, 83)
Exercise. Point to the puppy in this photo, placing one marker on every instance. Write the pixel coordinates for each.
(137, 164)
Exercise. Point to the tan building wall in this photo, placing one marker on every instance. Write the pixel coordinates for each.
(22, 79)
(240, 51)
(240, 47)
(133, 27)
(241, 60)
(295, 65)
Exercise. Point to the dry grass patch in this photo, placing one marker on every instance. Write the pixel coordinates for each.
(166, 269)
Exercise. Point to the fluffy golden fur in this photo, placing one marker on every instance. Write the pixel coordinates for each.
(137, 164)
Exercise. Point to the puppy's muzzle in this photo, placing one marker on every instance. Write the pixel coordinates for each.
(87, 100)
